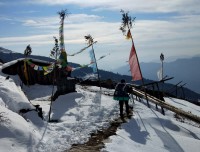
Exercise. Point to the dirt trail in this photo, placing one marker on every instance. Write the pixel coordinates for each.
(96, 143)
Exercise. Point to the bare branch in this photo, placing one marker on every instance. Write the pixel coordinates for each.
(127, 21)
(89, 39)
(63, 14)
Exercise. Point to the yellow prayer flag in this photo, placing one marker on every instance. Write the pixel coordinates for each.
(128, 35)
(45, 68)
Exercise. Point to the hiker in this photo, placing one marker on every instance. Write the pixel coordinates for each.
(121, 94)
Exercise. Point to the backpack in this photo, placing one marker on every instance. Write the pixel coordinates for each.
(121, 92)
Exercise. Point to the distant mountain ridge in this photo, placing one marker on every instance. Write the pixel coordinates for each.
(8, 55)
(185, 70)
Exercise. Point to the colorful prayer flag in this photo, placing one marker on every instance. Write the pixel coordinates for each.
(63, 59)
(134, 65)
(48, 69)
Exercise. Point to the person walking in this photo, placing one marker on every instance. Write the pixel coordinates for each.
(121, 94)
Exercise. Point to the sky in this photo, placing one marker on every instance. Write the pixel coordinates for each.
(84, 112)
(169, 27)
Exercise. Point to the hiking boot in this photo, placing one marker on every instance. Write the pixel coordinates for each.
(122, 116)
(131, 107)
(129, 116)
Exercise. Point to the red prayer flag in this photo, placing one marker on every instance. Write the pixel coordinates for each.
(134, 65)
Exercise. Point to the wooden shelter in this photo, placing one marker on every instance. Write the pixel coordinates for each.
(17, 67)
(31, 71)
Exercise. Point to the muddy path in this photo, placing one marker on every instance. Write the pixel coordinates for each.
(96, 141)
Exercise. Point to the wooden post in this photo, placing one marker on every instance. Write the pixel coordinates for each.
(54, 77)
(183, 91)
(163, 112)
(154, 95)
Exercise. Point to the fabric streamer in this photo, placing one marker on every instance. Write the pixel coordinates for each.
(134, 65)
(63, 59)
(93, 62)
(46, 69)
(63, 55)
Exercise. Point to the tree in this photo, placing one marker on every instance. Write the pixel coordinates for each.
(28, 50)
(55, 51)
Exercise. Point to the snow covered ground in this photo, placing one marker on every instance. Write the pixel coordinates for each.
(77, 115)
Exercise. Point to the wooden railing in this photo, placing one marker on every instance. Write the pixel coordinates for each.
(163, 104)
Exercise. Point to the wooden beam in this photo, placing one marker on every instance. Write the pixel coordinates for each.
(155, 82)
(174, 109)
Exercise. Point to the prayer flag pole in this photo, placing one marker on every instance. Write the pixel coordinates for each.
(91, 42)
(55, 49)
(61, 52)
(127, 22)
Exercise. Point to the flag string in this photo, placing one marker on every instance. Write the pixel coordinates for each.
(82, 49)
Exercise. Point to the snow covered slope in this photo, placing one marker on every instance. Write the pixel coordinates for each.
(77, 115)
(151, 131)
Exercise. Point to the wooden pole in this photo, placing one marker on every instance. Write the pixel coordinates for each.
(162, 59)
(96, 67)
(54, 77)
(163, 112)
(183, 91)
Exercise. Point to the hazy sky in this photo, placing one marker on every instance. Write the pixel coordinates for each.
(171, 27)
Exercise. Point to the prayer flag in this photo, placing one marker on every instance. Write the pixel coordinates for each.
(48, 69)
(35, 67)
(159, 74)
(128, 36)
(63, 59)
(45, 68)
(93, 62)
(40, 68)
(134, 65)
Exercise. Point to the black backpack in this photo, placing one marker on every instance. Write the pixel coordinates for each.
(121, 90)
